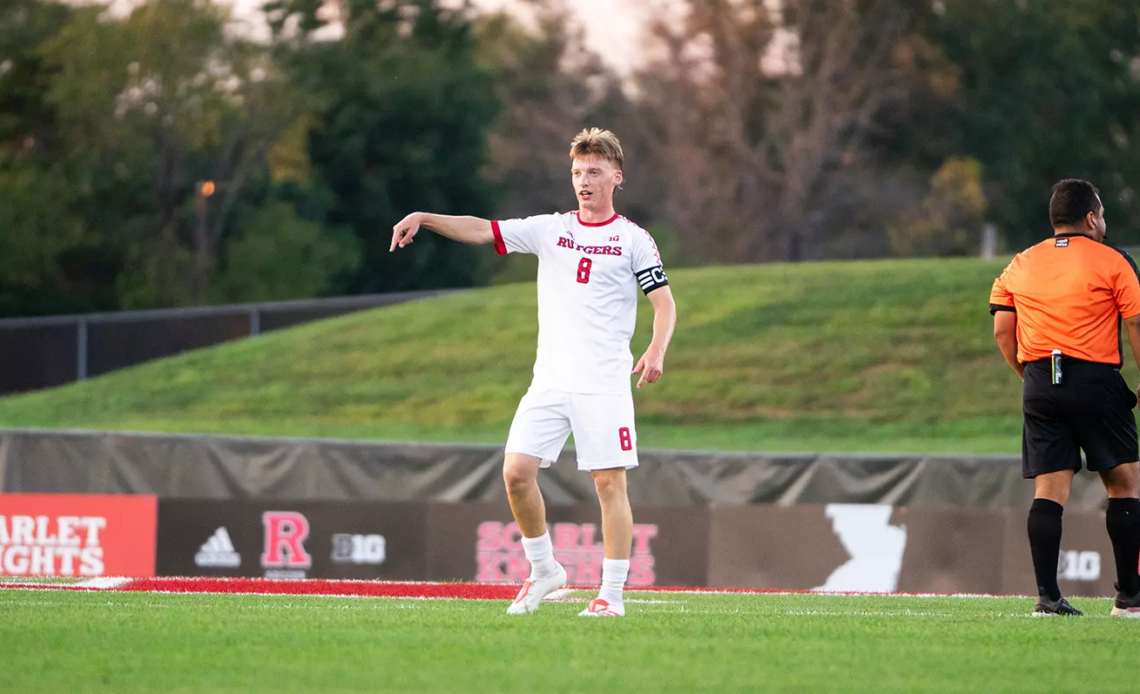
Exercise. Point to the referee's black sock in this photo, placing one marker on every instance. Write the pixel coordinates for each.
(1123, 521)
(1045, 545)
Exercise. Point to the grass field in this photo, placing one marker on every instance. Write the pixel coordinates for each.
(55, 641)
(854, 356)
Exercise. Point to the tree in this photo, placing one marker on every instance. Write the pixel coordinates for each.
(1041, 91)
(401, 126)
(50, 259)
(278, 256)
(167, 101)
(763, 108)
(950, 219)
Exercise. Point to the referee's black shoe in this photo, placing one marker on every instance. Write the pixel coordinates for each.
(1126, 606)
(1055, 608)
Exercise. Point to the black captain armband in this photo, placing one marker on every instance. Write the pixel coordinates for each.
(652, 278)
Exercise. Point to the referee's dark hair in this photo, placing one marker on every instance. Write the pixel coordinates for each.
(1072, 200)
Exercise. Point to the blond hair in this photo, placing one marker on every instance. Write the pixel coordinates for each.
(595, 141)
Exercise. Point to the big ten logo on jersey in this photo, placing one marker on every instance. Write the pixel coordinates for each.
(358, 549)
(577, 546)
(1079, 566)
(284, 554)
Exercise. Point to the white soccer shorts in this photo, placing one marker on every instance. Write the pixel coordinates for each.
(602, 424)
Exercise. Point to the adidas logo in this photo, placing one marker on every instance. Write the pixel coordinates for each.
(218, 551)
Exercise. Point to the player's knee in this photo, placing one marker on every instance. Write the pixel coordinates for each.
(1123, 488)
(517, 477)
(1122, 482)
(1130, 491)
(609, 483)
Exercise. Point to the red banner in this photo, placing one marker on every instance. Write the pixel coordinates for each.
(77, 535)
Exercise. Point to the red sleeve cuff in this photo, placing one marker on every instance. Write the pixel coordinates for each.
(500, 247)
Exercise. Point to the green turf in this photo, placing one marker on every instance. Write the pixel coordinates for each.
(116, 642)
(855, 356)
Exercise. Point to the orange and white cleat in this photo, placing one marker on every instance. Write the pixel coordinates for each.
(602, 608)
(535, 589)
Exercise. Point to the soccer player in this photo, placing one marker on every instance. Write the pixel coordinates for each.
(1057, 312)
(590, 265)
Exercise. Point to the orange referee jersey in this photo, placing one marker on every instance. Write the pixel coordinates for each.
(1070, 293)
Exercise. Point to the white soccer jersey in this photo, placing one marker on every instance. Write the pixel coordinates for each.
(588, 277)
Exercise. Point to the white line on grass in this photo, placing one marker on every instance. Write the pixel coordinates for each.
(103, 583)
(866, 613)
(560, 593)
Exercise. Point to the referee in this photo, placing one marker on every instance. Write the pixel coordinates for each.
(1057, 312)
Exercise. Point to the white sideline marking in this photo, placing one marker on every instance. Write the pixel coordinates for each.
(866, 613)
(103, 582)
(560, 593)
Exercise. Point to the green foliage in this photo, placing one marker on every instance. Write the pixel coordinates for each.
(1043, 90)
(58, 641)
(26, 119)
(401, 127)
(118, 122)
(279, 256)
(39, 235)
(868, 356)
(51, 260)
(950, 219)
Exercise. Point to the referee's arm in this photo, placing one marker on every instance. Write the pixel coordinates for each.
(1004, 311)
(1132, 325)
(1005, 334)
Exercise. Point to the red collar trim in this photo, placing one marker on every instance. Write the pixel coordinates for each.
(597, 224)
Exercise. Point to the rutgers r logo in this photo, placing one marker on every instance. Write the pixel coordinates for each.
(285, 534)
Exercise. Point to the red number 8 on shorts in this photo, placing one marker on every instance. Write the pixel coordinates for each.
(625, 438)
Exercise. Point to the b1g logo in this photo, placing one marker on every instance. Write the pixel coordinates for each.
(284, 555)
(358, 549)
(1079, 566)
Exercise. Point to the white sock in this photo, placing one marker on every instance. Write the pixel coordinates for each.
(614, 573)
(540, 552)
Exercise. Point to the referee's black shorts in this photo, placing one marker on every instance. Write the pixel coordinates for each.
(1090, 410)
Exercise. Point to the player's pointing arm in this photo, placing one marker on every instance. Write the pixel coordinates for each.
(472, 230)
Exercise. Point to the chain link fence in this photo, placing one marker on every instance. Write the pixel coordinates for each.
(51, 351)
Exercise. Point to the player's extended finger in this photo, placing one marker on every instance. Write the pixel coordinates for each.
(639, 367)
(644, 375)
(396, 234)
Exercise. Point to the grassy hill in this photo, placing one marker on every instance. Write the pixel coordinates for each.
(856, 356)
